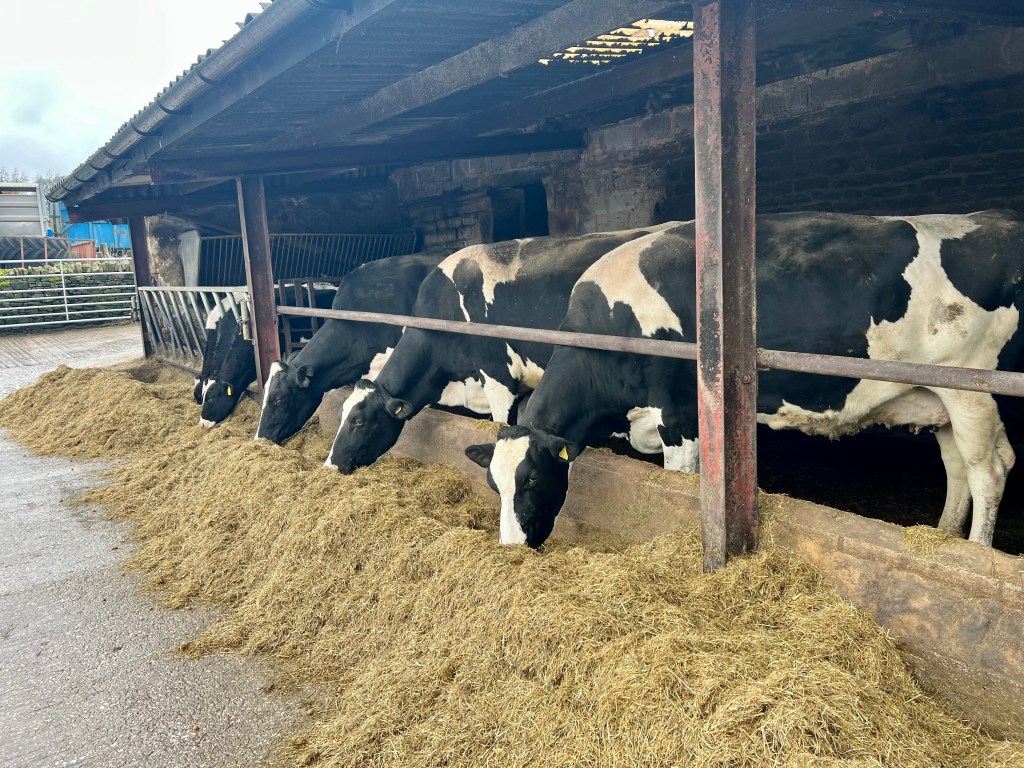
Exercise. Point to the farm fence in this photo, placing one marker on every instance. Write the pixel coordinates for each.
(48, 292)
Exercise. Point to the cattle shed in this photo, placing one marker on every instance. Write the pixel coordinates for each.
(480, 122)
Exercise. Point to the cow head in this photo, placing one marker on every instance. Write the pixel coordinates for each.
(288, 401)
(529, 469)
(371, 421)
(219, 400)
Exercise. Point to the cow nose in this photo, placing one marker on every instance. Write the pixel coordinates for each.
(207, 423)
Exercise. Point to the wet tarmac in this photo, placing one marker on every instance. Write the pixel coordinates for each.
(88, 676)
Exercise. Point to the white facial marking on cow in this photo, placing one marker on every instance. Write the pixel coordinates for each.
(941, 326)
(500, 398)
(526, 372)
(214, 317)
(377, 363)
(643, 429)
(223, 306)
(206, 387)
(683, 458)
(207, 423)
(618, 276)
(275, 368)
(508, 455)
(357, 396)
(493, 271)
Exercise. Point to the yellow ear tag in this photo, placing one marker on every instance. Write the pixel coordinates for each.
(398, 410)
(229, 390)
(563, 454)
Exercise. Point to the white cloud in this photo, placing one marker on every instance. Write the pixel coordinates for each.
(75, 72)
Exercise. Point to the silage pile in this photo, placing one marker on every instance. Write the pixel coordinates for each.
(434, 646)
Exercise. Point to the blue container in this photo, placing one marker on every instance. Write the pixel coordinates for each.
(114, 236)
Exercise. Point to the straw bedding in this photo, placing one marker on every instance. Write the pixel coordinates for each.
(432, 646)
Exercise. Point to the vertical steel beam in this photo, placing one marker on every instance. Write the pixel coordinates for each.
(143, 277)
(724, 134)
(259, 274)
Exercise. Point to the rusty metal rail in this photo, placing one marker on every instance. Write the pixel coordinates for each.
(918, 374)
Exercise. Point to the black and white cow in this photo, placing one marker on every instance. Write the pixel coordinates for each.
(341, 350)
(229, 363)
(519, 282)
(939, 289)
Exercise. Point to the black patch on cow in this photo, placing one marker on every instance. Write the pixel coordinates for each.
(341, 350)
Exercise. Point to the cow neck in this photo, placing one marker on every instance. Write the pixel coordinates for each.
(571, 406)
(412, 372)
(340, 352)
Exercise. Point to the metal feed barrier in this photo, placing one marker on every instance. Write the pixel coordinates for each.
(54, 292)
(174, 320)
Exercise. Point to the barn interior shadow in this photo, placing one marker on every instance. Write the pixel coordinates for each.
(890, 475)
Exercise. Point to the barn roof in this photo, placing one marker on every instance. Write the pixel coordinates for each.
(314, 86)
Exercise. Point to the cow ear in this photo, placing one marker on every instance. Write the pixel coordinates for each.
(399, 409)
(305, 375)
(562, 449)
(481, 454)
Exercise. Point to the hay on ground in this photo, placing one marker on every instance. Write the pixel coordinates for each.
(435, 646)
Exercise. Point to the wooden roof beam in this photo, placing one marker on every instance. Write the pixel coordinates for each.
(775, 31)
(522, 46)
(174, 170)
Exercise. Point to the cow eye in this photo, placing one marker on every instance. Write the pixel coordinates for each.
(358, 423)
(531, 481)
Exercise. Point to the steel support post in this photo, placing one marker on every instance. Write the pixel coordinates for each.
(143, 277)
(724, 135)
(259, 274)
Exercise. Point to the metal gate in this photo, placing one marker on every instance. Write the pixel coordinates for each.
(49, 292)
(297, 255)
(174, 320)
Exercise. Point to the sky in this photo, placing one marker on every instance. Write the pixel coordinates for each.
(71, 73)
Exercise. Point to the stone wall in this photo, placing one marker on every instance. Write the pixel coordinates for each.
(448, 203)
(950, 149)
(37, 295)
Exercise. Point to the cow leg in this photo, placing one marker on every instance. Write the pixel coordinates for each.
(958, 492)
(683, 458)
(681, 454)
(986, 453)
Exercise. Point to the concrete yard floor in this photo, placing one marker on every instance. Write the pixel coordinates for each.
(87, 672)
